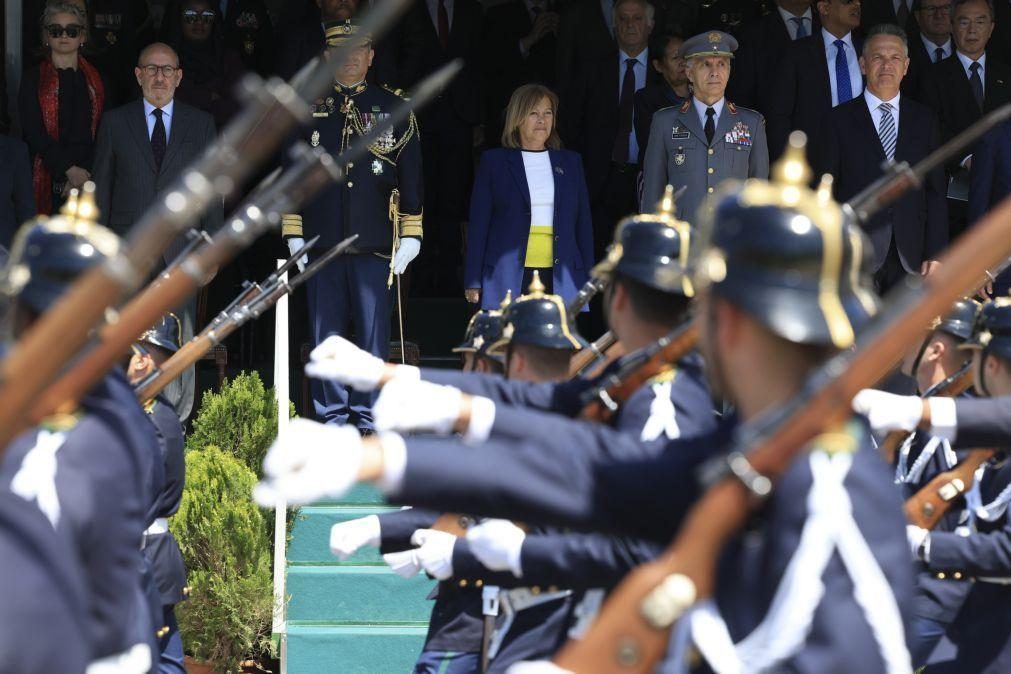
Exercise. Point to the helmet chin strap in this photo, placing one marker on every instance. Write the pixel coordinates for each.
(919, 355)
(981, 376)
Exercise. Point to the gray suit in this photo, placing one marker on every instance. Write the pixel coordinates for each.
(678, 154)
(128, 181)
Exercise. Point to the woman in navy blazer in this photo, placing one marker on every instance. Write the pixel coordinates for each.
(529, 209)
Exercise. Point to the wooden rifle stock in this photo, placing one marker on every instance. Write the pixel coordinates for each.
(586, 357)
(601, 403)
(927, 506)
(631, 632)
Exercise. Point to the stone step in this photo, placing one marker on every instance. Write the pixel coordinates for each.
(354, 649)
(310, 538)
(356, 594)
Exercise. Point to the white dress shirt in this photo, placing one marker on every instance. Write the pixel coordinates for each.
(872, 105)
(931, 48)
(639, 70)
(166, 118)
(852, 60)
(966, 62)
(700, 109)
(791, 26)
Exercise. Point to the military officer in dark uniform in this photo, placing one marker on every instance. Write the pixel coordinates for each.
(159, 544)
(380, 200)
(707, 139)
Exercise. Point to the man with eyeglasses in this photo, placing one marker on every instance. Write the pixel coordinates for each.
(934, 44)
(963, 88)
(142, 147)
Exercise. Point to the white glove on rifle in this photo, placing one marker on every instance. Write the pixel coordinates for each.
(309, 461)
(407, 251)
(498, 544)
(295, 244)
(405, 564)
(346, 538)
(435, 552)
(916, 537)
(336, 359)
(415, 405)
(888, 412)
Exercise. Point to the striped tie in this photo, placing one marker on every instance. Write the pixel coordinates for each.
(886, 130)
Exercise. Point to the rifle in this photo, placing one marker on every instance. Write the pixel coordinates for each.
(195, 238)
(630, 634)
(272, 109)
(586, 357)
(927, 506)
(951, 386)
(249, 291)
(601, 402)
(313, 169)
(585, 294)
(273, 290)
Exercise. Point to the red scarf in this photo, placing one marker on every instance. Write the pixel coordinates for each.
(49, 104)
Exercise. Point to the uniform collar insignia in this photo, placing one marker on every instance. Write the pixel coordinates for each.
(732, 108)
(687, 104)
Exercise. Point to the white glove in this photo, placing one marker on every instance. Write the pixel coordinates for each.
(405, 564)
(888, 412)
(409, 405)
(308, 461)
(536, 667)
(347, 537)
(435, 552)
(339, 360)
(295, 244)
(916, 536)
(497, 544)
(407, 251)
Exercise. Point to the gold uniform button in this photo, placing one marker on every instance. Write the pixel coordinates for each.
(957, 575)
(712, 151)
(712, 170)
(553, 588)
(940, 575)
(351, 165)
(350, 184)
(463, 583)
(478, 583)
(535, 590)
(710, 190)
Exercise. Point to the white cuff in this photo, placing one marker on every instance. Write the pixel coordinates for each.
(406, 373)
(482, 418)
(394, 462)
(942, 418)
(926, 549)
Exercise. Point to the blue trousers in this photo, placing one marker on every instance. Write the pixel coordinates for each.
(349, 298)
(447, 662)
(170, 646)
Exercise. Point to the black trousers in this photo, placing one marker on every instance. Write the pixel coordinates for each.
(618, 199)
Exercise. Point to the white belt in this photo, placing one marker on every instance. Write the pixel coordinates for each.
(159, 526)
(136, 660)
(994, 579)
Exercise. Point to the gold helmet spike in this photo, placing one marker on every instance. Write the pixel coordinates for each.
(87, 209)
(792, 171)
(824, 190)
(665, 208)
(536, 288)
(69, 208)
(507, 300)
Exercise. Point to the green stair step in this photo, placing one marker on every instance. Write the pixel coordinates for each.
(356, 594)
(361, 494)
(353, 649)
(310, 538)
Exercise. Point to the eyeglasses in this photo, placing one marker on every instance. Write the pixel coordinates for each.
(56, 30)
(978, 23)
(152, 70)
(935, 9)
(193, 16)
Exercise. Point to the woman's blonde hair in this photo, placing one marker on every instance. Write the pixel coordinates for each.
(523, 100)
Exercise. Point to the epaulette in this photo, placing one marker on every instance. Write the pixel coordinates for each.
(60, 422)
(396, 92)
(842, 439)
(732, 108)
(664, 376)
(687, 104)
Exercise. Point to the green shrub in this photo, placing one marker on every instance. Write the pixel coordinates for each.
(221, 533)
(241, 419)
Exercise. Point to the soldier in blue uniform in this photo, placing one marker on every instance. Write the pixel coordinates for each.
(381, 201)
(91, 472)
(707, 139)
(766, 323)
(483, 330)
(159, 545)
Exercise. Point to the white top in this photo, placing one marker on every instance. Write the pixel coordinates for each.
(166, 117)
(873, 103)
(852, 60)
(541, 183)
(791, 26)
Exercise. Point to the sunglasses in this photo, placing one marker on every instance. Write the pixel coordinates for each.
(193, 16)
(56, 30)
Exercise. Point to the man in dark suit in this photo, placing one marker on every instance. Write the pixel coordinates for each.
(520, 39)
(431, 34)
(17, 201)
(989, 183)
(667, 58)
(585, 35)
(964, 87)
(303, 39)
(763, 42)
(876, 127)
(142, 147)
(598, 119)
(817, 73)
(933, 45)
(896, 12)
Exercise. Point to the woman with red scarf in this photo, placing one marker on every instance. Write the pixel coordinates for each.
(61, 103)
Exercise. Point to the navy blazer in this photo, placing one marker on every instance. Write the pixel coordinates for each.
(500, 226)
(16, 193)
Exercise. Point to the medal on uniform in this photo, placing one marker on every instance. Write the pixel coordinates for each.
(679, 157)
(314, 139)
(377, 167)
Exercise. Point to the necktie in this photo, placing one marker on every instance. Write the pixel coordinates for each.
(625, 100)
(902, 14)
(938, 54)
(886, 130)
(842, 73)
(976, 83)
(801, 27)
(159, 140)
(443, 25)
(710, 125)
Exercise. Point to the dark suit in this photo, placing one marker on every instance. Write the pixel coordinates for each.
(583, 38)
(874, 12)
(990, 182)
(17, 201)
(128, 181)
(920, 62)
(647, 101)
(917, 223)
(300, 43)
(803, 95)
